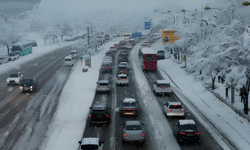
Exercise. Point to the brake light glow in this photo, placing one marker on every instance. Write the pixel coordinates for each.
(107, 115)
(124, 135)
(90, 116)
(175, 105)
(182, 133)
(143, 134)
(126, 79)
(181, 109)
(197, 133)
(169, 109)
(118, 78)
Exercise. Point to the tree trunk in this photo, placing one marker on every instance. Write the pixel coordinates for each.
(213, 80)
(232, 94)
(245, 93)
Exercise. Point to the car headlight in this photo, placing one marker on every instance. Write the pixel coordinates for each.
(21, 87)
(17, 80)
(7, 80)
(31, 87)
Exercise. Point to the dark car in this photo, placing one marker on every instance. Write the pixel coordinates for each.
(106, 67)
(186, 131)
(122, 69)
(28, 85)
(99, 115)
(129, 107)
(160, 54)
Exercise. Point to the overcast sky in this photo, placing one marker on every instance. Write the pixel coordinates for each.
(86, 6)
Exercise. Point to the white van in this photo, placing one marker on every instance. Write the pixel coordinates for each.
(73, 54)
(68, 61)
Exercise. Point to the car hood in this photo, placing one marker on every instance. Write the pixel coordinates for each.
(27, 84)
(12, 78)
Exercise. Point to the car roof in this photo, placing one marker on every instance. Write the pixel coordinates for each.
(174, 103)
(134, 122)
(187, 121)
(162, 81)
(124, 62)
(127, 100)
(122, 75)
(99, 107)
(103, 81)
(73, 51)
(90, 140)
(68, 57)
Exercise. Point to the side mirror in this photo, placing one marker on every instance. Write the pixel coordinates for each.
(102, 142)
(90, 107)
(96, 82)
(79, 142)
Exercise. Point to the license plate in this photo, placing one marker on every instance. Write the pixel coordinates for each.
(26, 88)
(190, 134)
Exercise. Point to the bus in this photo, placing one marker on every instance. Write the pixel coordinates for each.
(148, 59)
(24, 47)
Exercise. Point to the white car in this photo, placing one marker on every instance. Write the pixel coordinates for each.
(122, 79)
(173, 109)
(68, 61)
(91, 143)
(14, 78)
(13, 56)
(162, 87)
(113, 49)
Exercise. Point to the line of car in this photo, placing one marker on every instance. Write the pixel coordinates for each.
(185, 130)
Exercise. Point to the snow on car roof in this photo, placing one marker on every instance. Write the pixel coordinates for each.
(183, 122)
(122, 75)
(135, 122)
(68, 57)
(99, 107)
(148, 51)
(174, 103)
(90, 141)
(127, 100)
(73, 51)
(103, 81)
(162, 81)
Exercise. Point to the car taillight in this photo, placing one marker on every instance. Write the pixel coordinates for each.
(169, 109)
(126, 79)
(124, 135)
(143, 134)
(197, 133)
(182, 133)
(90, 116)
(175, 105)
(181, 109)
(107, 115)
(118, 78)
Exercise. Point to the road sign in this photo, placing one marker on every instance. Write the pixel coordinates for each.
(136, 34)
(81, 57)
(147, 25)
(168, 36)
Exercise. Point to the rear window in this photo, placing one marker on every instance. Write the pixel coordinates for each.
(27, 81)
(103, 84)
(89, 147)
(123, 77)
(129, 104)
(133, 127)
(163, 85)
(188, 126)
(175, 107)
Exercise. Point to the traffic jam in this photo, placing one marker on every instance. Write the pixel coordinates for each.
(118, 110)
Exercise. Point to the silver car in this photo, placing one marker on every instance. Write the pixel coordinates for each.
(133, 132)
(162, 87)
(122, 79)
(103, 86)
(173, 109)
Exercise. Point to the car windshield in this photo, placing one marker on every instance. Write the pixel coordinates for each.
(68, 59)
(123, 77)
(133, 127)
(175, 107)
(12, 54)
(188, 126)
(27, 81)
(163, 85)
(14, 75)
(89, 147)
(122, 67)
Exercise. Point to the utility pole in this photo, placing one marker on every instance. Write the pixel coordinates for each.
(88, 34)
